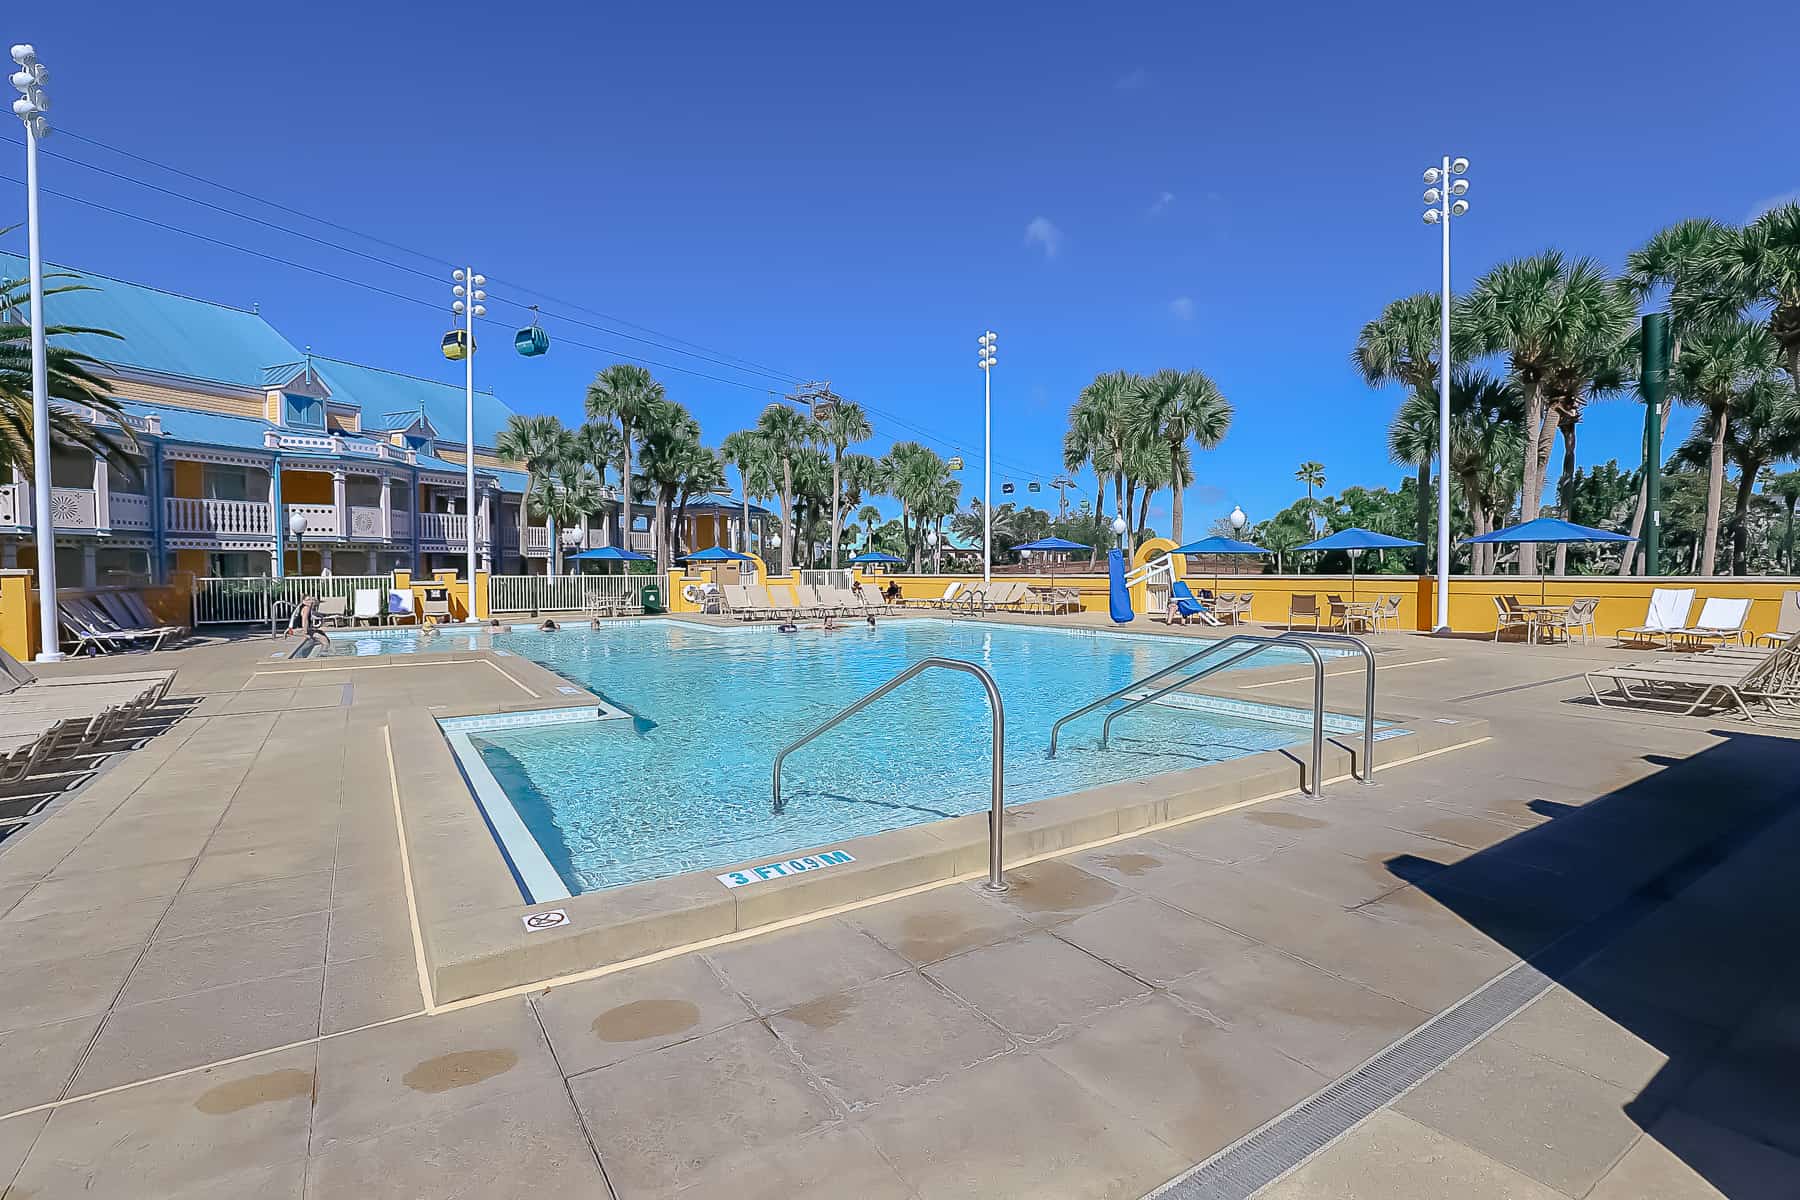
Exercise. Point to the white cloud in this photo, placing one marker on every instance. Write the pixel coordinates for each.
(1773, 202)
(1133, 80)
(1182, 308)
(1162, 201)
(1042, 232)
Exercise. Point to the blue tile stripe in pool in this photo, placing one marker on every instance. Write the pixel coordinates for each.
(683, 784)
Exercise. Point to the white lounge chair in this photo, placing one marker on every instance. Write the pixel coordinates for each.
(1668, 612)
(1687, 684)
(368, 607)
(400, 604)
(951, 591)
(1787, 622)
(1721, 620)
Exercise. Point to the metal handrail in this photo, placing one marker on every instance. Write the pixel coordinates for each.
(1368, 764)
(1135, 684)
(996, 814)
(1257, 646)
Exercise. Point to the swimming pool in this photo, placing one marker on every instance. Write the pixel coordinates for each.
(678, 780)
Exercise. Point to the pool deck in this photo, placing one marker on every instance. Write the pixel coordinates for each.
(216, 986)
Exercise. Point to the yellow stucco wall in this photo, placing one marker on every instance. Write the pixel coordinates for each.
(186, 479)
(305, 487)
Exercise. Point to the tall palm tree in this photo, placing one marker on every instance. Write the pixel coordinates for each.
(629, 394)
(786, 433)
(915, 475)
(1759, 265)
(1106, 420)
(841, 425)
(1786, 488)
(1768, 429)
(563, 495)
(1719, 371)
(1673, 261)
(1412, 440)
(1596, 365)
(1312, 474)
(869, 517)
(547, 451)
(702, 471)
(1487, 445)
(1540, 312)
(670, 441)
(1401, 346)
(1185, 406)
(746, 450)
(70, 379)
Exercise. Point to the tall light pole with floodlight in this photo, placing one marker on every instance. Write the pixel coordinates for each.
(987, 455)
(30, 107)
(468, 306)
(1443, 191)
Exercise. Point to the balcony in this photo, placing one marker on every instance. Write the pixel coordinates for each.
(448, 529)
(75, 508)
(128, 511)
(217, 518)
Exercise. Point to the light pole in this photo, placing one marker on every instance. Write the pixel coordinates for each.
(1118, 528)
(987, 455)
(30, 107)
(931, 540)
(469, 284)
(1238, 519)
(1441, 186)
(297, 527)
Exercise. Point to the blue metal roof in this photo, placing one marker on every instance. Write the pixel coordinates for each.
(204, 428)
(161, 331)
(389, 393)
(719, 500)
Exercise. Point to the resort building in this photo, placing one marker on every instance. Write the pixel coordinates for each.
(241, 437)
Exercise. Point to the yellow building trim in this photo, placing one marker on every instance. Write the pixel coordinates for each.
(151, 393)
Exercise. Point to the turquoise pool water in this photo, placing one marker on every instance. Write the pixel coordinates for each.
(682, 784)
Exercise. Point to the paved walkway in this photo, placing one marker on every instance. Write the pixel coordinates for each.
(211, 987)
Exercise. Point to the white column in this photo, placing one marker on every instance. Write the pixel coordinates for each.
(102, 494)
(387, 508)
(337, 500)
(1442, 623)
(43, 527)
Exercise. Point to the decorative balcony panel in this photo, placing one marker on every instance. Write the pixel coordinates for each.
(223, 518)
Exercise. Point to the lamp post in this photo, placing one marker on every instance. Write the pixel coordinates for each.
(986, 363)
(469, 284)
(1441, 186)
(571, 540)
(297, 527)
(1118, 528)
(1238, 519)
(931, 540)
(30, 107)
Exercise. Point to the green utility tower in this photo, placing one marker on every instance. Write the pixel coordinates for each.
(1654, 382)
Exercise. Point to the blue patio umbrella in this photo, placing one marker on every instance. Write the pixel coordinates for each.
(717, 554)
(869, 558)
(1217, 544)
(1354, 539)
(1547, 530)
(1054, 545)
(609, 554)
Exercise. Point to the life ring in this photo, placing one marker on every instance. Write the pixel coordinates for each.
(691, 592)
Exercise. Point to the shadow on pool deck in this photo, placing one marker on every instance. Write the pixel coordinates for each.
(1664, 913)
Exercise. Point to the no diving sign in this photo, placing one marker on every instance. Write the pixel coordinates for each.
(552, 918)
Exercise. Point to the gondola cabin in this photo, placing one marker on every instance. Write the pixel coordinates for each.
(456, 345)
(955, 463)
(531, 341)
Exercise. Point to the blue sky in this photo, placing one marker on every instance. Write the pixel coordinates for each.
(841, 194)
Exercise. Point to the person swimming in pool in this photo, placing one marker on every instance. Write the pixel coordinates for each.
(548, 626)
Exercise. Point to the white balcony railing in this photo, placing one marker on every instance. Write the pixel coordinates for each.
(447, 528)
(537, 540)
(70, 508)
(222, 518)
(366, 522)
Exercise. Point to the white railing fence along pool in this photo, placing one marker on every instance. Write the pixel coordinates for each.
(560, 593)
(235, 601)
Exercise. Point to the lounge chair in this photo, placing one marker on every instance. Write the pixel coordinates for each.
(1189, 605)
(369, 607)
(333, 610)
(97, 631)
(951, 591)
(1787, 621)
(1508, 615)
(400, 604)
(141, 614)
(438, 609)
(113, 606)
(1668, 612)
(1721, 620)
(1707, 681)
(873, 602)
(1010, 595)
(1304, 606)
(734, 601)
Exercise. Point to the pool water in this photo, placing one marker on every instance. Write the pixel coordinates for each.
(684, 783)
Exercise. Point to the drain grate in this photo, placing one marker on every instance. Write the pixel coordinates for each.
(1265, 1155)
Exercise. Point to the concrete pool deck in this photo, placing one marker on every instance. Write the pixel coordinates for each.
(213, 987)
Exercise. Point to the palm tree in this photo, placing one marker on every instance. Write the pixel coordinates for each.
(1312, 474)
(547, 451)
(841, 425)
(1786, 488)
(670, 441)
(746, 450)
(968, 523)
(1413, 442)
(1720, 367)
(629, 394)
(1487, 446)
(702, 471)
(1768, 429)
(70, 379)
(1401, 346)
(786, 432)
(915, 477)
(869, 517)
(1106, 420)
(1597, 364)
(1542, 312)
(1759, 265)
(562, 495)
(1185, 406)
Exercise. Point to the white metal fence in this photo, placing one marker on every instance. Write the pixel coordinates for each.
(229, 601)
(560, 593)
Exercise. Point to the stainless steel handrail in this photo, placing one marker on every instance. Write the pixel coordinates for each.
(1257, 646)
(1367, 774)
(1135, 684)
(996, 813)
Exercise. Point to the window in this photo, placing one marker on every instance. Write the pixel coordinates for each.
(232, 565)
(71, 467)
(304, 412)
(120, 567)
(224, 483)
(125, 479)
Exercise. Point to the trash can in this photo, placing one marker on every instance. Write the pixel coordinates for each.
(651, 598)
